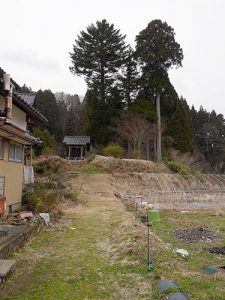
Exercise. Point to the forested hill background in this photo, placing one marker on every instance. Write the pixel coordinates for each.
(120, 103)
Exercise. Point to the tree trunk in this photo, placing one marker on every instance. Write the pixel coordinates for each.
(129, 150)
(158, 146)
(102, 82)
(147, 151)
(139, 151)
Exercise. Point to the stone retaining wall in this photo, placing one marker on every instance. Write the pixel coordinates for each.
(13, 237)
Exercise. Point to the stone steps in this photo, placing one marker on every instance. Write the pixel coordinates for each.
(72, 174)
(6, 268)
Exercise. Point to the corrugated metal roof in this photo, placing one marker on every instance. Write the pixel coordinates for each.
(76, 140)
(28, 97)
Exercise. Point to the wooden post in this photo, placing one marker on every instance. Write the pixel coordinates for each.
(31, 154)
(69, 153)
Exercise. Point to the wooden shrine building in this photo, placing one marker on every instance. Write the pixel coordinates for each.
(77, 147)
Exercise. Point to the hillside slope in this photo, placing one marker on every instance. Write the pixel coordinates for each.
(110, 164)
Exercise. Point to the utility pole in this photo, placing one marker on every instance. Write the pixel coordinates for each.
(159, 133)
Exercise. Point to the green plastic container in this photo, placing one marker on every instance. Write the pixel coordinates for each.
(153, 216)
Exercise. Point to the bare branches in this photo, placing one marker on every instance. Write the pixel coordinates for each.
(137, 131)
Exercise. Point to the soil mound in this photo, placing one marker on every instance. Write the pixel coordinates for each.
(193, 235)
(114, 165)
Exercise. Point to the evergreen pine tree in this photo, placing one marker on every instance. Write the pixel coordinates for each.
(98, 55)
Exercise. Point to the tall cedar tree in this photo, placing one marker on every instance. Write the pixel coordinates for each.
(62, 109)
(209, 137)
(98, 55)
(143, 109)
(129, 78)
(101, 116)
(26, 89)
(176, 119)
(72, 121)
(97, 119)
(70, 108)
(179, 129)
(45, 102)
(157, 52)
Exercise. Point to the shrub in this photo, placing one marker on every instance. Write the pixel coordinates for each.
(137, 154)
(32, 200)
(47, 167)
(39, 169)
(72, 195)
(178, 167)
(47, 141)
(40, 197)
(36, 201)
(114, 150)
(49, 199)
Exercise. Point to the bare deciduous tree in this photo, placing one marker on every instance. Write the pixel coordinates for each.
(137, 131)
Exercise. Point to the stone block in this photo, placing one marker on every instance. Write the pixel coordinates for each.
(6, 267)
(4, 250)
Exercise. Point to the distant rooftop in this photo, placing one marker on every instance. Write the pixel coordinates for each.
(76, 140)
(28, 97)
(19, 101)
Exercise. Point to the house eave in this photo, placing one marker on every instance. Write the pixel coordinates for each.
(15, 134)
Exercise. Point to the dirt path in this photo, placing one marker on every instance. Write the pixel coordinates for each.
(93, 254)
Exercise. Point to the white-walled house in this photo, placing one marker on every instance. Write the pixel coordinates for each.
(15, 142)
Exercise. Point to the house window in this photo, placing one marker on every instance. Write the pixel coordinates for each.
(2, 181)
(1, 148)
(15, 152)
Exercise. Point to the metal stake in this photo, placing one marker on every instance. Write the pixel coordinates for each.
(150, 262)
(136, 211)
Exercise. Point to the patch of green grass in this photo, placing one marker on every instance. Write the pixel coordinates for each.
(70, 264)
(91, 169)
(188, 273)
(43, 240)
(72, 195)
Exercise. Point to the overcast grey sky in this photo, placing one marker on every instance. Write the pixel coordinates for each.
(37, 35)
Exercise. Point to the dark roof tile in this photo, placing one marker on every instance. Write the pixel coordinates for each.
(76, 140)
